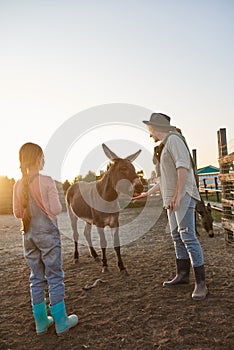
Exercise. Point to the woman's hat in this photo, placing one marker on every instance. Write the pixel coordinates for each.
(160, 121)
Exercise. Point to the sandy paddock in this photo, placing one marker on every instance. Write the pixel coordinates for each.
(125, 312)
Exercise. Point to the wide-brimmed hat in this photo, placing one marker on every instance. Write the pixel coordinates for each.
(160, 121)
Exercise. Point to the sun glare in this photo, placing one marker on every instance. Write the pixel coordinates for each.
(87, 154)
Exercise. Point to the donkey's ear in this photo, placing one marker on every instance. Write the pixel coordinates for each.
(111, 155)
(133, 156)
(208, 207)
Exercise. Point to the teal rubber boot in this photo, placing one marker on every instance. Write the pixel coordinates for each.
(62, 322)
(42, 320)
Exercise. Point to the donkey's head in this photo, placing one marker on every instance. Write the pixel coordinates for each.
(206, 216)
(123, 174)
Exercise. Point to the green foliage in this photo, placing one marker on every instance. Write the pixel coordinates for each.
(211, 196)
(66, 185)
(77, 179)
(89, 177)
(217, 215)
(141, 175)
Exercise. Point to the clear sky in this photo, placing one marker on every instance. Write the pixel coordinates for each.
(61, 57)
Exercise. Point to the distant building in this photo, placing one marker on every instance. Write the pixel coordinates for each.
(209, 177)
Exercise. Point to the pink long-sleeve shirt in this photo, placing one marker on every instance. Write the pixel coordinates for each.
(44, 192)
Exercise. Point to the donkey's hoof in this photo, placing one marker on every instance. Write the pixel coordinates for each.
(97, 259)
(124, 272)
(105, 269)
(76, 261)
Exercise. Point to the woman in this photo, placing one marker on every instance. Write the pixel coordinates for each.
(179, 192)
(36, 202)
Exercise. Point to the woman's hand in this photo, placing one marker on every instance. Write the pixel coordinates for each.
(142, 195)
(175, 202)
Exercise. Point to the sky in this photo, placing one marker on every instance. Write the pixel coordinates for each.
(61, 58)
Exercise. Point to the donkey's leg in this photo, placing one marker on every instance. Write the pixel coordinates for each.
(115, 231)
(103, 244)
(74, 219)
(87, 234)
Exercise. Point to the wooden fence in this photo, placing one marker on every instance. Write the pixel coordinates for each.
(227, 183)
(6, 203)
(6, 193)
(209, 186)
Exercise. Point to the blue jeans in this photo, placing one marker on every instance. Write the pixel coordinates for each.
(182, 226)
(42, 251)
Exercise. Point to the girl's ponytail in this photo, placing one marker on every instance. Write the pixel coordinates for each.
(26, 219)
(28, 155)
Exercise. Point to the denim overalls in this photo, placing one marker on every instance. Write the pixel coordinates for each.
(42, 251)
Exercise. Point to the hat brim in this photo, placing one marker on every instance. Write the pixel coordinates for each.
(159, 126)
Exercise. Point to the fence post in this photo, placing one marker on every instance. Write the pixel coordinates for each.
(206, 192)
(227, 184)
(194, 155)
(222, 142)
(216, 187)
(194, 152)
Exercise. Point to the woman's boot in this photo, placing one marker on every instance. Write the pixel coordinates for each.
(182, 273)
(200, 290)
(42, 320)
(62, 322)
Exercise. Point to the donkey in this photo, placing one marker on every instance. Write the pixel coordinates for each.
(206, 217)
(97, 203)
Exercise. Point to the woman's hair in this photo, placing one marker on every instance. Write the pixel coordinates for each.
(28, 157)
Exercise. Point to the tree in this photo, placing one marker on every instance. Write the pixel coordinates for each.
(141, 175)
(91, 176)
(66, 185)
(77, 179)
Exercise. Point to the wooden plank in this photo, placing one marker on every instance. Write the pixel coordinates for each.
(222, 142)
(228, 202)
(228, 224)
(208, 179)
(194, 153)
(227, 177)
(6, 203)
(227, 159)
(203, 189)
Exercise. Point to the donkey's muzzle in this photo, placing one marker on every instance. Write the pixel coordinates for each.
(138, 187)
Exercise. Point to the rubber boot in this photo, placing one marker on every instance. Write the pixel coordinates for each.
(62, 322)
(200, 290)
(182, 273)
(42, 320)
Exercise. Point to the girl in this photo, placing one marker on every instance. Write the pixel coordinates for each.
(36, 202)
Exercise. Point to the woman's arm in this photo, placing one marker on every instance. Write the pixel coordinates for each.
(179, 193)
(154, 189)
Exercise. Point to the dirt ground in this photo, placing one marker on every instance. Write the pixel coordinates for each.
(125, 312)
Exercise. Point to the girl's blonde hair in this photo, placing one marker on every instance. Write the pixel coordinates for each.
(29, 154)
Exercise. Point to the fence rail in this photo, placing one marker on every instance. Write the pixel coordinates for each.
(210, 185)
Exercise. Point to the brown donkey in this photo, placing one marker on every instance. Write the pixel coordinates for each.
(97, 203)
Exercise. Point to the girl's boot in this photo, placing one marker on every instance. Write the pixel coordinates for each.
(42, 320)
(62, 322)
